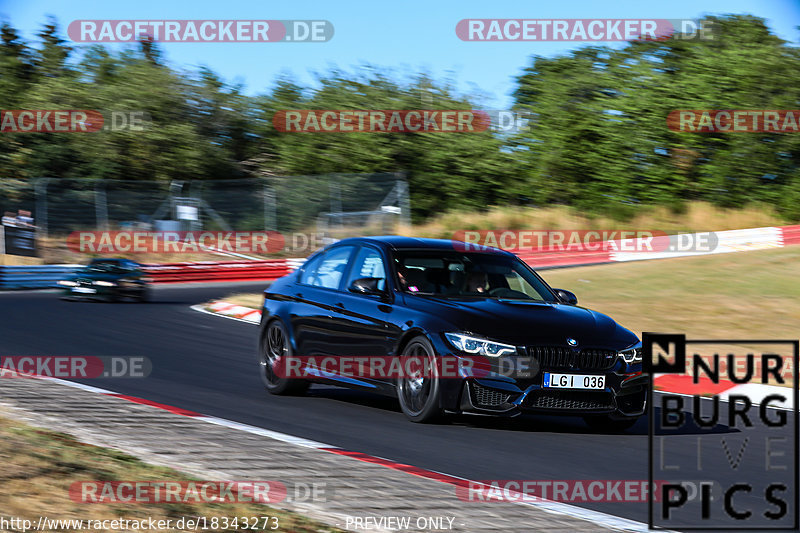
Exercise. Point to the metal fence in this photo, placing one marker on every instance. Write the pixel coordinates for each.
(333, 203)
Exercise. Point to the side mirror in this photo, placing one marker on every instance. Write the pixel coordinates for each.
(366, 286)
(566, 297)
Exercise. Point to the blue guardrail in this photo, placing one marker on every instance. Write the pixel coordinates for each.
(34, 276)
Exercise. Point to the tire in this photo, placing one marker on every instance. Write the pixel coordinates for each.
(420, 397)
(605, 423)
(144, 295)
(273, 345)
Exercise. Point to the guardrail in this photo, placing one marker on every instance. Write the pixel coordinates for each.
(47, 276)
(217, 271)
(34, 276)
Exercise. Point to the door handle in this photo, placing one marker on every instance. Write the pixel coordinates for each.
(299, 295)
(339, 304)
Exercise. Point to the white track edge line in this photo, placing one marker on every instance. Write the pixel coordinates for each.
(255, 430)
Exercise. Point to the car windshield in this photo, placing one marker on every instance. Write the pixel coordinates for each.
(459, 274)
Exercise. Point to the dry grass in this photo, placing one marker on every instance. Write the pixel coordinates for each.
(20, 260)
(738, 295)
(39, 467)
(746, 295)
(698, 216)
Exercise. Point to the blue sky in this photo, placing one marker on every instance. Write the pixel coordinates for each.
(407, 37)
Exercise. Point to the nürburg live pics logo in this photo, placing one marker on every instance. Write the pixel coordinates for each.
(732, 429)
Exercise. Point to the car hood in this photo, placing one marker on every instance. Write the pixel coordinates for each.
(527, 323)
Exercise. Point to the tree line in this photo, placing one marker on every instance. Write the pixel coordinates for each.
(597, 137)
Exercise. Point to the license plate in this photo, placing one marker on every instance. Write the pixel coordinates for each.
(573, 381)
(84, 289)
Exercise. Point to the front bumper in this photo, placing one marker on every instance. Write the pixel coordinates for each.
(482, 390)
(490, 397)
(88, 292)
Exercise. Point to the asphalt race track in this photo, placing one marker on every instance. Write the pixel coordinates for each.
(207, 364)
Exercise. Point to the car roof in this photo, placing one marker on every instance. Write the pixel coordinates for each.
(398, 242)
(119, 260)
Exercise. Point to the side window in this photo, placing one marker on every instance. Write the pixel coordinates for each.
(330, 270)
(310, 270)
(368, 264)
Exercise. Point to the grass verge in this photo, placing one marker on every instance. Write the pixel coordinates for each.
(738, 295)
(39, 466)
(696, 216)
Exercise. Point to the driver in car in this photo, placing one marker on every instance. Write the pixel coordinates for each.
(476, 282)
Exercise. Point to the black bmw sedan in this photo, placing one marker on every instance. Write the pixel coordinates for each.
(447, 328)
(109, 279)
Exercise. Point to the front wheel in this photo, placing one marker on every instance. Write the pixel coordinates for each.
(419, 394)
(606, 423)
(274, 348)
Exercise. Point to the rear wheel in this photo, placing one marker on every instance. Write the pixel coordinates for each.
(419, 394)
(606, 423)
(273, 350)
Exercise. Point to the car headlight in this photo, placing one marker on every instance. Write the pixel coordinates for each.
(67, 283)
(474, 345)
(105, 283)
(633, 354)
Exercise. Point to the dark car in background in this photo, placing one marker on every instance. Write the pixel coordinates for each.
(485, 309)
(108, 279)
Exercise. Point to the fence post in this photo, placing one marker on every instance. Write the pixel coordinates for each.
(40, 193)
(270, 220)
(101, 205)
(403, 199)
(335, 192)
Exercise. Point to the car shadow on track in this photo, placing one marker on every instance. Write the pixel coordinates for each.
(529, 423)
(357, 397)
